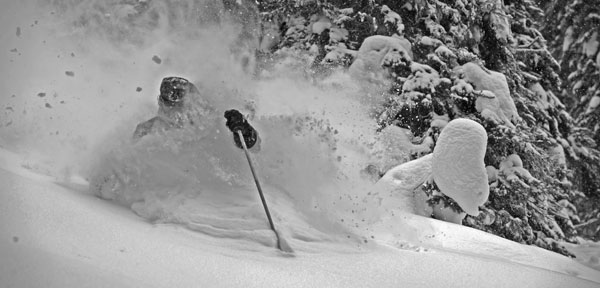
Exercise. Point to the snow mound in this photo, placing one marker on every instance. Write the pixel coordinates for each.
(378, 51)
(398, 187)
(501, 107)
(458, 167)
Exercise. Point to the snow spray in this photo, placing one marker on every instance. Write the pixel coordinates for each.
(81, 74)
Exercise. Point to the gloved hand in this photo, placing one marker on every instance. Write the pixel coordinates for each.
(235, 122)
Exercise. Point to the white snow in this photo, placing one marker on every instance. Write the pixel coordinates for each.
(53, 235)
(320, 25)
(184, 210)
(397, 189)
(338, 53)
(543, 101)
(568, 39)
(590, 47)
(423, 78)
(593, 104)
(444, 51)
(377, 50)
(495, 82)
(271, 36)
(392, 17)
(458, 167)
(512, 169)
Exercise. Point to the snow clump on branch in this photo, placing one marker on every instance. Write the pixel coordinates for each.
(494, 101)
(377, 52)
(458, 167)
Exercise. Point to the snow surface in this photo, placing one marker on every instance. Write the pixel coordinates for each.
(458, 167)
(183, 211)
(55, 235)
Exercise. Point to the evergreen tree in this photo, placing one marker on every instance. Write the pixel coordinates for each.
(572, 28)
(458, 48)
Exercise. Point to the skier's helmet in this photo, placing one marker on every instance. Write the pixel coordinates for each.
(173, 90)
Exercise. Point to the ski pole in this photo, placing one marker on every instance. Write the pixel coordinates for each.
(281, 243)
(260, 192)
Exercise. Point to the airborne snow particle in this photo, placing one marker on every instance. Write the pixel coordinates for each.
(18, 31)
(14, 50)
(48, 105)
(72, 54)
(156, 59)
(15, 239)
(138, 89)
(70, 73)
(41, 94)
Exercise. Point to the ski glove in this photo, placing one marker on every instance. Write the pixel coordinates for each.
(235, 122)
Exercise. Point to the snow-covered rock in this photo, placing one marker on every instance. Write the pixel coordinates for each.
(458, 168)
(494, 82)
(378, 50)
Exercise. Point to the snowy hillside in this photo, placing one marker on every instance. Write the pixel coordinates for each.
(85, 204)
(55, 235)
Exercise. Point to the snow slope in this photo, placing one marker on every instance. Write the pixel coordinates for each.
(53, 235)
(188, 214)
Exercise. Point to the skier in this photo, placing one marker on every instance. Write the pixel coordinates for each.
(179, 104)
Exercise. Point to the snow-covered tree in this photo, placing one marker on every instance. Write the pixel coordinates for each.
(480, 60)
(572, 28)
